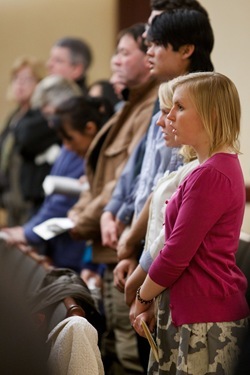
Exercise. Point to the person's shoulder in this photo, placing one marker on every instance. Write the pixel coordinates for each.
(187, 168)
(34, 113)
(32, 117)
(70, 159)
(225, 163)
(218, 169)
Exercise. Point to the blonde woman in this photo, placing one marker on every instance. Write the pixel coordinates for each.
(208, 309)
(152, 215)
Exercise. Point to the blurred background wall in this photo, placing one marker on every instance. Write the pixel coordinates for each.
(31, 27)
(231, 57)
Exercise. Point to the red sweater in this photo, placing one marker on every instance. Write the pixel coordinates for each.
(203, 221)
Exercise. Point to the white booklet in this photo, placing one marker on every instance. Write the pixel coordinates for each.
(64, 185)
(53, 227)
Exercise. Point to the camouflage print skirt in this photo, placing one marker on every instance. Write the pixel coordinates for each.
(195, 349)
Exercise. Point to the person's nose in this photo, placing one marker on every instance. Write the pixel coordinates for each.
(171, 115)
(116, 60)
(150, 50)
(160, 121)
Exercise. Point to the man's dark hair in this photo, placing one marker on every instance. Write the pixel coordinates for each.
(136, 32)
(168, 5)
(184, 26)
(80, 52)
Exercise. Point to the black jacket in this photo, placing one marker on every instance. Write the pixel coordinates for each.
(32, 137)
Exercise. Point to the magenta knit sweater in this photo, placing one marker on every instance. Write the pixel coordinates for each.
(203, 222)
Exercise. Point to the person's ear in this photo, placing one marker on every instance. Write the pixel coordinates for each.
(91, 128)
(187, 50)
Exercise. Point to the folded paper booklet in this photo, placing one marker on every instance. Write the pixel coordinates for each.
(151, 340)
(53, 227)
(63, 185)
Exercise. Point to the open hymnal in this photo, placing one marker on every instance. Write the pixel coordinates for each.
(151, 340)
(53, 227)
(63, 185)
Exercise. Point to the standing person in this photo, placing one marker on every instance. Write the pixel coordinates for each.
(175, 48)
(19, 146)
(208, 309)
(106, 157)
(71, 58)
(165, 187)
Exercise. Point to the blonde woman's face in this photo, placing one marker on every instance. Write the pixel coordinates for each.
(167, 133)
(23, 85)
(186, 122)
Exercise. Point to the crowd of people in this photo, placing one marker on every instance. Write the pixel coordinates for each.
(157, 143)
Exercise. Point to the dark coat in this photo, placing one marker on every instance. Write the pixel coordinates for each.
(32, 137)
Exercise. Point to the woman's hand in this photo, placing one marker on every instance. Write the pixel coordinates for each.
(148, 316)
(132, 284)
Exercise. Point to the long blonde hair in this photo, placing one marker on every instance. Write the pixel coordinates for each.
(166, 101)
(217, 102)
(165, 93)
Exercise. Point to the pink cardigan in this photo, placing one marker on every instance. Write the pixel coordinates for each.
(197, 262)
